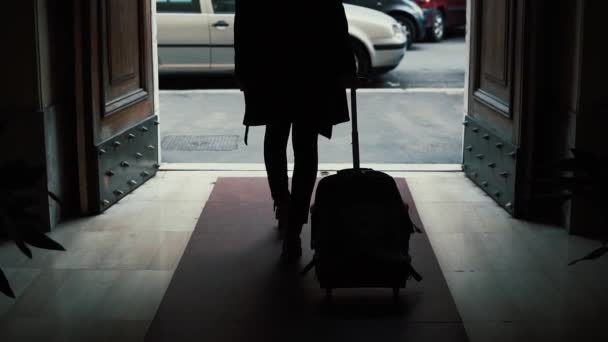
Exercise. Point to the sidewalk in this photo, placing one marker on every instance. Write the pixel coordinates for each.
(395, 126)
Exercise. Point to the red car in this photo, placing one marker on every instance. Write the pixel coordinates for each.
(441, 15)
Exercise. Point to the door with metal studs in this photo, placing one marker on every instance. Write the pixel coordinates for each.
(117, 125)
(495, 112)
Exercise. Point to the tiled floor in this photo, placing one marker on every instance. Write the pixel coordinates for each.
(509, 278)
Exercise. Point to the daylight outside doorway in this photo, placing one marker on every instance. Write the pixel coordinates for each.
(411, 114)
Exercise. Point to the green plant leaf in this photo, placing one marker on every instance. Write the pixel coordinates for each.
(36, 238)
(10, 228)
(54, 197)
(5, 286)
(23, 248)
(596, 254)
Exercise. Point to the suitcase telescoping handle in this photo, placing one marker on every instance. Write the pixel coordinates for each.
(355, 122)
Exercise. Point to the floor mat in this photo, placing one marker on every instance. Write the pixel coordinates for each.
(230, 285)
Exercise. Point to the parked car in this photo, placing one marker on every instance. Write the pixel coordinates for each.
(407, 12)
(441, 15)
(198, 35)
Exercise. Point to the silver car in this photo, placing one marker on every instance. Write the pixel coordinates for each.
(198, 35)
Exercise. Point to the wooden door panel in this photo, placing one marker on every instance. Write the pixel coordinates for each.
(118, 126)
(126, 70)
(123, 51)
(493, 75)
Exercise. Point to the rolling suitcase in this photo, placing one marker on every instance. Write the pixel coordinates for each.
(360, 228)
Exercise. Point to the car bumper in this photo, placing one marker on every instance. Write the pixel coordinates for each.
(388, 55)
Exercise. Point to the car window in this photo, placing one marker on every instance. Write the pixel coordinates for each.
(177, 6)
(223, 6)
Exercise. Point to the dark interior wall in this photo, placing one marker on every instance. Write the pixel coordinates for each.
(588, 217)
(553, 123)
(56, 50)
(571, 107)
(593, 102)
(560, 84)
(22, 131)
(36, 103)
(563, 81)
(20, 88)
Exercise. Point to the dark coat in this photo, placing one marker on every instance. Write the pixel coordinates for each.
(292, 61)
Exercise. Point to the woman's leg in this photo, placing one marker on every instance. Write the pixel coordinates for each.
(304, 139)
(275, 158)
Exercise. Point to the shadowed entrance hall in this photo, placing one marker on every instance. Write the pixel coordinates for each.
(81, 122)
(509, 278)
(230, 285)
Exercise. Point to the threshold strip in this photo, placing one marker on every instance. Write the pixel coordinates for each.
(448, 91)
(239, 167)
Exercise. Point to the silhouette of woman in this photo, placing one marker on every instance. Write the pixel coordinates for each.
(293, 62)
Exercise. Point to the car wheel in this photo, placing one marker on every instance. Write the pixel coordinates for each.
(362, 59)
(410, 29)
(437, 31)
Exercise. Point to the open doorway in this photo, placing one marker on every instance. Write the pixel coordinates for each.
(410, 113)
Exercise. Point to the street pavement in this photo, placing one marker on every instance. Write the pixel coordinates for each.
(395, 126)
(429, 65)
(412, 115)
